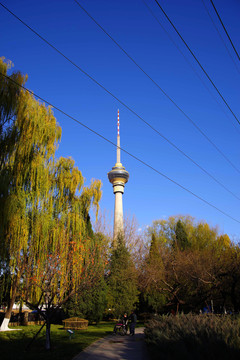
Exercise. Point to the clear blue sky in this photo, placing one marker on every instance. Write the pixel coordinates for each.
(148, 195)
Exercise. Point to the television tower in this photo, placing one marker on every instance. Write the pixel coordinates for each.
(118, 176)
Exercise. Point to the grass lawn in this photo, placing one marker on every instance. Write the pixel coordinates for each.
(13, 343)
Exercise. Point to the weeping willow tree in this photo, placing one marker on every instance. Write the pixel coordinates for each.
(62, 259)
(9, 99)
(43, 244)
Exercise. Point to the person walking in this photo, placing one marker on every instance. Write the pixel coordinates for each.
(133, 322)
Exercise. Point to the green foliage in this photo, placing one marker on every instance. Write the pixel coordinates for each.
(191, 234)
(122, 280)
(154, 251)
(181, 236)
(153, 298)
(9, 94)
(194, 336)
(89, 303)
(192, 265)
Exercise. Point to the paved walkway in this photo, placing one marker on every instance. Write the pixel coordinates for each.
(117, 347)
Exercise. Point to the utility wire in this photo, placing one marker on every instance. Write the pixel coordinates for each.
(225, 29)
(132, 111)
(125, 151)
(125, 52)
(156, 84)
(189, 63)
(195, 58)
(220, 36)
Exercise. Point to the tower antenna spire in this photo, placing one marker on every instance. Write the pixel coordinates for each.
(118, 176)
(118, 141)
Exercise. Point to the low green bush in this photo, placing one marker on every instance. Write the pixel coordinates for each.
(194, 337)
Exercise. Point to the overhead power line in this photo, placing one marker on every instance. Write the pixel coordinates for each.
(158, 86)
(225, 29)
(216, 99)
(132, 111)
(198, 62)
(125, 52)
(220, 36)
(125, 151)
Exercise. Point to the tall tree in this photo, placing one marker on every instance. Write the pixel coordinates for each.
(66, 260)
(90, 300)
(205, 269)
(45, 250)
(122, 280)
(152, 279)
(182, 242)
(9, 96)
(24, 173)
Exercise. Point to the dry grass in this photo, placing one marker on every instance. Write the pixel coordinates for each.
(194, 337)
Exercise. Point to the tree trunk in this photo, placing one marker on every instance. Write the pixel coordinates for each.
(177, 308)
(233, 295)
(25, 318)
(48, 340)
(4, 325)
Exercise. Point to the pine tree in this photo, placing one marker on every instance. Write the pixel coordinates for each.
(122, 280)
(153, 298)
(181, 236)
(90, 300)
(154, 251)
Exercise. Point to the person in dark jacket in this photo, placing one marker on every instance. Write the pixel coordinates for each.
(133, 322)
(125, 321)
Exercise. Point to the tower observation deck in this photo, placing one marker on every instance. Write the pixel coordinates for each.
(118, 176)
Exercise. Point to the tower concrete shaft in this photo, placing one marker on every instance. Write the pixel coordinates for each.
(118, 176)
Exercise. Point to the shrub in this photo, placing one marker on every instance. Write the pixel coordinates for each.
(75, 323)
(194, 336)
